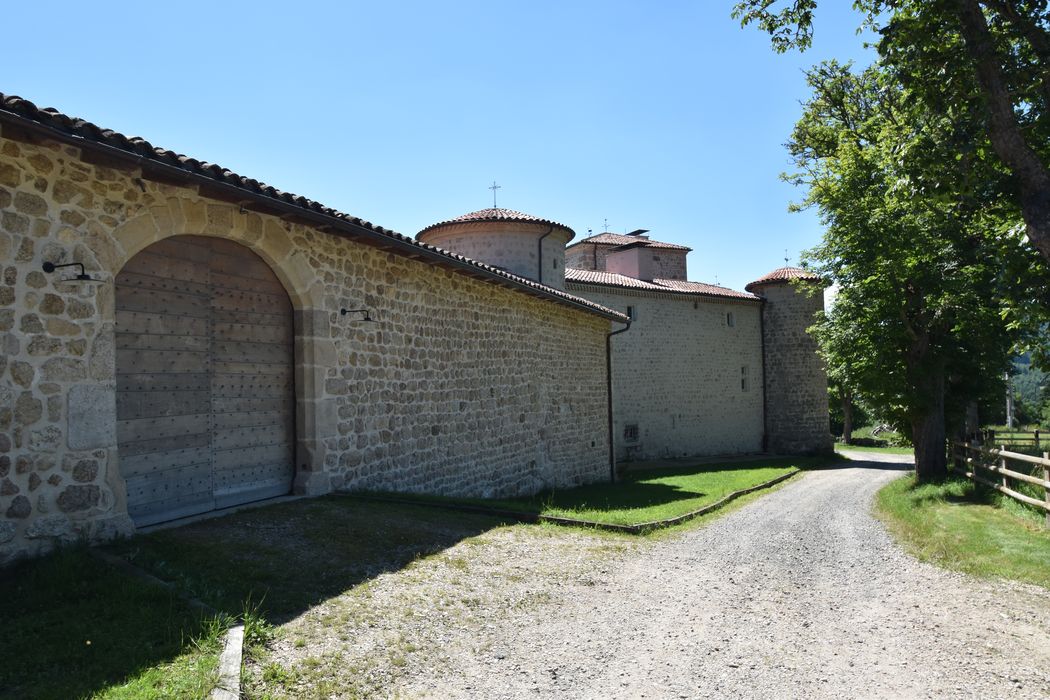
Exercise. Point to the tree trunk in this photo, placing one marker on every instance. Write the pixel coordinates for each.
(928, 432)
(1029, 172)
(847, 418)
(1028, 27)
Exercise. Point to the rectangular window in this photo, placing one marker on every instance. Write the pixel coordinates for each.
(730, 321)
(630, 432)
(630, 312)
(744, 383)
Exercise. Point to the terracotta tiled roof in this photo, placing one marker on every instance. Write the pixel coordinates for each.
(619, 239)
(497, 214)
(783, 275)
(713, 290)
(220, 183)
(613, 279)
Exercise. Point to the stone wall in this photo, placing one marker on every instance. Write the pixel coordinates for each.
(587, 256)
(462, 387)
(669, 264)
(677, 374)
(508, 245)
(666, 263)
(796, 385)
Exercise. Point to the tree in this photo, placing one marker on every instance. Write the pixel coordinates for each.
(917, 229)
(845, 360)
(966, 59)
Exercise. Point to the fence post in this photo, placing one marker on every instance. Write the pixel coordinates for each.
(971, 460)
(1002, 465)
(1037, 439)
(1046, 491)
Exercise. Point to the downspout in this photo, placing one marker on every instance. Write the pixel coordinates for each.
(539, 254)
(608, 392)
(762, 332)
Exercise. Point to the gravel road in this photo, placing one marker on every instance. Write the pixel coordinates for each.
(800, 593)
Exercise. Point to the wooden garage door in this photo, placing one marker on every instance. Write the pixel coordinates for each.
(205, 400)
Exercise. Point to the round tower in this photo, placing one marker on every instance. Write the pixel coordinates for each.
(519, 243)
(796, 385)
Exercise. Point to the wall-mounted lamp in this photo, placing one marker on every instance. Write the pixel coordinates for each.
(50, 267)
(367, 314)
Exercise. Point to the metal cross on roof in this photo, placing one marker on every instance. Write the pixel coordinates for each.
(786, 260)
(607, 226)
(494, 188)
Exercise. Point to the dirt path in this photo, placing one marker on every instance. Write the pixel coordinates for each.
(800, 593)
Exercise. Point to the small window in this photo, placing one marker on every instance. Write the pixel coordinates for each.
(656, 258)
(630, 432)
(745, 384)
(730, 321)
(554, 263)
(630, 312)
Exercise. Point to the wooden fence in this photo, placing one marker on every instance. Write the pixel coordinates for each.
(1014, 438)
(1007, 469)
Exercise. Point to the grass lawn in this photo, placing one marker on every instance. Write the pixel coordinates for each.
(885, 450)
(280, 560)
(960, 527)
(647, 495)
(114, 636)
(74, 627)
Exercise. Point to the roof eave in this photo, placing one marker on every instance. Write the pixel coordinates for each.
(535, 222)
(344, 227)
(666, 290)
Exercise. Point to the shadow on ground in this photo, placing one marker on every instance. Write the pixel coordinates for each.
(286, 558)
(861, 460)
(279, 560)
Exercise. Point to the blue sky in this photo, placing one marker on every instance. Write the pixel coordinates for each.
(662, 115)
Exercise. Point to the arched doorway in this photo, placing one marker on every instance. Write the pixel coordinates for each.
(205, 394)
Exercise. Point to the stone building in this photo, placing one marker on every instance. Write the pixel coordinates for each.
(178, 339)
(703, 370)
(796, 384)
(174, 341)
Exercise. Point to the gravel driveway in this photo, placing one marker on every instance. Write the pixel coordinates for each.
(799, 593)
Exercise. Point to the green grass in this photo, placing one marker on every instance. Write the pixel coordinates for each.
(885, 450)
(286, 558)
(647, 495)
(74, 627)
(956, 525)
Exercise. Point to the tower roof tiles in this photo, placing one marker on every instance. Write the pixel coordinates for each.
(497, 214)
(783, 275)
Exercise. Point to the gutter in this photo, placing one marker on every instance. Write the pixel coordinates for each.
(765, 414)
(321, 220)
(609, 396)
(539, 254)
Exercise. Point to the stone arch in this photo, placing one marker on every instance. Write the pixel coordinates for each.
(263, 235)
(314, 348)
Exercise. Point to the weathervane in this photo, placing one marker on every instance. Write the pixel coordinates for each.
(786, 260)
(494, 188)
(607, 226)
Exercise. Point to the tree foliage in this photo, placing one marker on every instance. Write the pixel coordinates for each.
(924, 245)
(985, 62)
